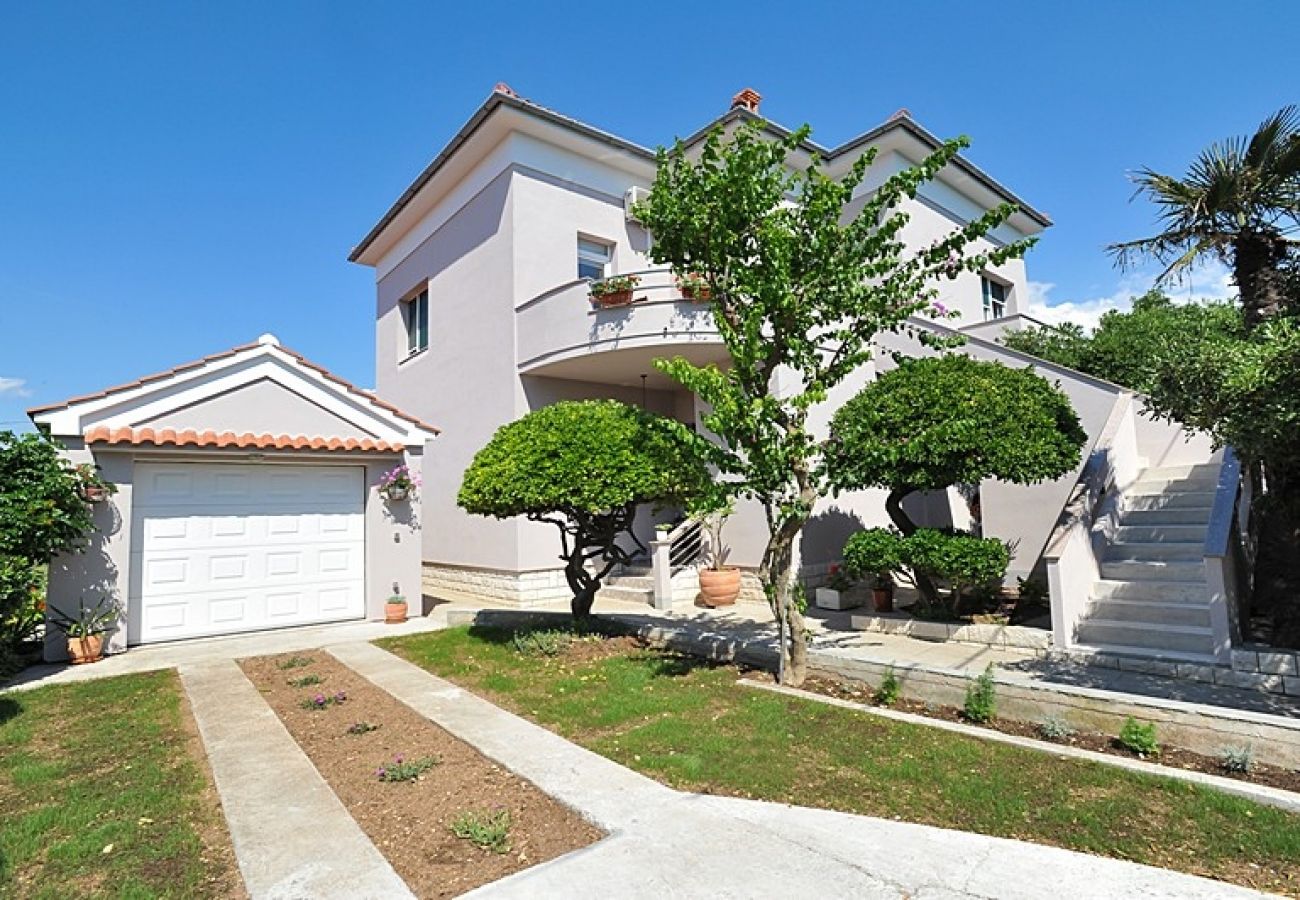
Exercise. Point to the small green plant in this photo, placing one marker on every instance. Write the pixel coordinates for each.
(322, 701)
(1238, 760)
(485, 830)
(981, 698)
(615, 284)
(839, 579)
(296, 662)
(362, 728)
(548, 642)
(1138, 738)
(888, 692)
(304, 681)
(402, 769)
(1056, 728)
(1032, 591)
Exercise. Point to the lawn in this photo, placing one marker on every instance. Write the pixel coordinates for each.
(688, 724)
(103, 795)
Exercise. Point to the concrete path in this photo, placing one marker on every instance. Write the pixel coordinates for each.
(664, 843)
(292, 836)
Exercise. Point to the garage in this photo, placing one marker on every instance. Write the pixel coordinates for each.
(254, 491)
(225, 548)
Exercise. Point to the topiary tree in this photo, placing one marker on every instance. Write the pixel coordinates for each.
(940, 421)
(799, 286)
(962, 561)
(43, 512)
(585, 466)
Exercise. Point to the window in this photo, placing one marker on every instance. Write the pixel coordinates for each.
(593, 258)
(995, 299)
(415, 311)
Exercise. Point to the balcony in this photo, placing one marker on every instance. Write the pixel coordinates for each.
(563, 334)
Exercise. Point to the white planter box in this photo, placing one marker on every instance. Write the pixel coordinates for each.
(829, 598)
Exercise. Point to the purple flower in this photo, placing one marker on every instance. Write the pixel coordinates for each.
(939, 308)
(399, 759)
(340, 696)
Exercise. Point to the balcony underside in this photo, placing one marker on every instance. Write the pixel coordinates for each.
(626, 365)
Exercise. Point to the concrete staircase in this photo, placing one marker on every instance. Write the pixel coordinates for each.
(1152, 599)
(629, 584)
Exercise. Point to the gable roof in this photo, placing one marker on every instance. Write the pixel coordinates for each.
(210, 375)
(503, 97)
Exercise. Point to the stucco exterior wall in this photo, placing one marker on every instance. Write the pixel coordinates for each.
(262, 407)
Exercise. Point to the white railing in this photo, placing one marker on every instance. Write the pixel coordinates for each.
(674, 550)
(1224, 555)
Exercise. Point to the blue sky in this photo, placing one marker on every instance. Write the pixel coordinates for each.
(179, 178)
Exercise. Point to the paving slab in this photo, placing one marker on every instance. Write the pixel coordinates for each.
(293, 837)
(667, 843)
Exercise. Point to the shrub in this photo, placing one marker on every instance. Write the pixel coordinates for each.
(295, 662)
(304, 681)
(1055, 728)
(981, 700)
(888, 692)
(1238, 760)
(401, 769)
(549, 642)
(1138, 738)
(321, 701)
(485, 830)
(362, 728)
(875, 553)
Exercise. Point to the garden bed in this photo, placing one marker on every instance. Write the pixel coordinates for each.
(450, 784)
(1174, 757)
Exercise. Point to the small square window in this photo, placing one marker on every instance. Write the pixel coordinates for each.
(995, 298)
(415, 313)
(593, 258)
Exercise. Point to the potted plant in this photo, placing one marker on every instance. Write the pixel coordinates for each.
(834, 593)
(398, 484)
(614, 291)
(693, 287)
(719, 583)
(882, 592)
(93, 488)
(395, 609)
(85, 631)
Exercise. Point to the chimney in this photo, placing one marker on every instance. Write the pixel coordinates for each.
(747, 99)
(503, 88)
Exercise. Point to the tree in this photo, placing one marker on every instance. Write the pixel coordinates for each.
(927, 555)
(940, 421)
(584, 467)
(43, 512)
(798, 290)
(1236, 204)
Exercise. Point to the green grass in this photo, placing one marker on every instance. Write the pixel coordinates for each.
(689, 725)
(87, 766)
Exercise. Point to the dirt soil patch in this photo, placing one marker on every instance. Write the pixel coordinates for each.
(411, 821)
(1173, 757)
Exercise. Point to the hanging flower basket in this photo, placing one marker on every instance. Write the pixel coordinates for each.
(398, 484)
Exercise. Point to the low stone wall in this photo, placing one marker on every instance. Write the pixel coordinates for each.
(1267, 668)
(1016, 637)
(1254, 668)
(523, 588)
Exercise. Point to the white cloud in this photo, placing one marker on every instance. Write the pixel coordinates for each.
(16, 387)
(1211, 281)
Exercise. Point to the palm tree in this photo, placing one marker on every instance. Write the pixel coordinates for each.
(1239, 203)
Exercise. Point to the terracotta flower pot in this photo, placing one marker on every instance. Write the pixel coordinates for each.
(720, 587)
(86, 649)
(394, 613)
(700, 295)
(617, 298)
(96, 494)
(882, 599)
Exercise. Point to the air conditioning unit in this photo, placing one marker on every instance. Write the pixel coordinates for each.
(631, 197)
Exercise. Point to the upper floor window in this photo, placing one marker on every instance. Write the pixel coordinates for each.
(593, 258)
(415, 314)
(995, 298)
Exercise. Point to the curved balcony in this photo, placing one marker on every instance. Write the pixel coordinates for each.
(563, 333)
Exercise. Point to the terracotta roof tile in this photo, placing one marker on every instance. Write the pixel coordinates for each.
(102, 434)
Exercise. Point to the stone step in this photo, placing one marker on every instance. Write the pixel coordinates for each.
(1153, 551)
(1150, 612)
(1160, 534)
(1194, 592)
(1154, 484)
(626, 595)
(1204, 471)
(1179, 500)
(1138, 655)
(1191, 515)
(636, 582)
(1153, 570)
(1151, 638)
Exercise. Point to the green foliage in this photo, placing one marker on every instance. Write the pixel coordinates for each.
(938, 421)
(295, 662)
(99, 618)
(585, 466)
(1066, 344)
(890, 690)
(402, 769)
(962, 561)
(1032, 591)
(795, 284)
(362, 727)
(305, 681)
(1139, 738)
(875, 553)
(981, 698)
(1237, 760)
(542, 642)
(485, 830)
(613, 285)
(1056, 728)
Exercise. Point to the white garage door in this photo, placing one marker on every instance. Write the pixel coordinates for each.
(222, 548)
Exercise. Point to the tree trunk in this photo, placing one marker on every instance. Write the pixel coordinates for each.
(583, 585)
(778, 575)
(903, 522)
(1255, 261)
